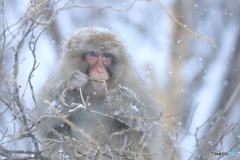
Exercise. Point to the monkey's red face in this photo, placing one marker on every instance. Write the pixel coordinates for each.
(99, 62)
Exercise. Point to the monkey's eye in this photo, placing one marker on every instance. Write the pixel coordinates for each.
(93, 54)
(107, 55)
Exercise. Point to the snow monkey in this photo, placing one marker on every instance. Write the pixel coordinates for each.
(96, 106)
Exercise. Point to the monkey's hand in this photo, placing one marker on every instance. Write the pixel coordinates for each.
(124, 104)
(77, 79)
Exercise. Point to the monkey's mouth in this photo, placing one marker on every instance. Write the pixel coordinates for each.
(98, 83)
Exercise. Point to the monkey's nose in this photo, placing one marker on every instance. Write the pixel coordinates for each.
(100, 71)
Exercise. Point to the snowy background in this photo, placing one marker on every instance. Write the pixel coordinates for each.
(189, 76)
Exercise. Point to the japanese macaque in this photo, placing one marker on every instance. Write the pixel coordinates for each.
(95, 105)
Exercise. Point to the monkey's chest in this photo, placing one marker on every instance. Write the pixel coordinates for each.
(94, 121)
(98, 126)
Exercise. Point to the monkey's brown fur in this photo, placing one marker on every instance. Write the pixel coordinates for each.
(126, 99)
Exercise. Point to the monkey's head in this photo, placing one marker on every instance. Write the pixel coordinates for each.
(97, 52)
